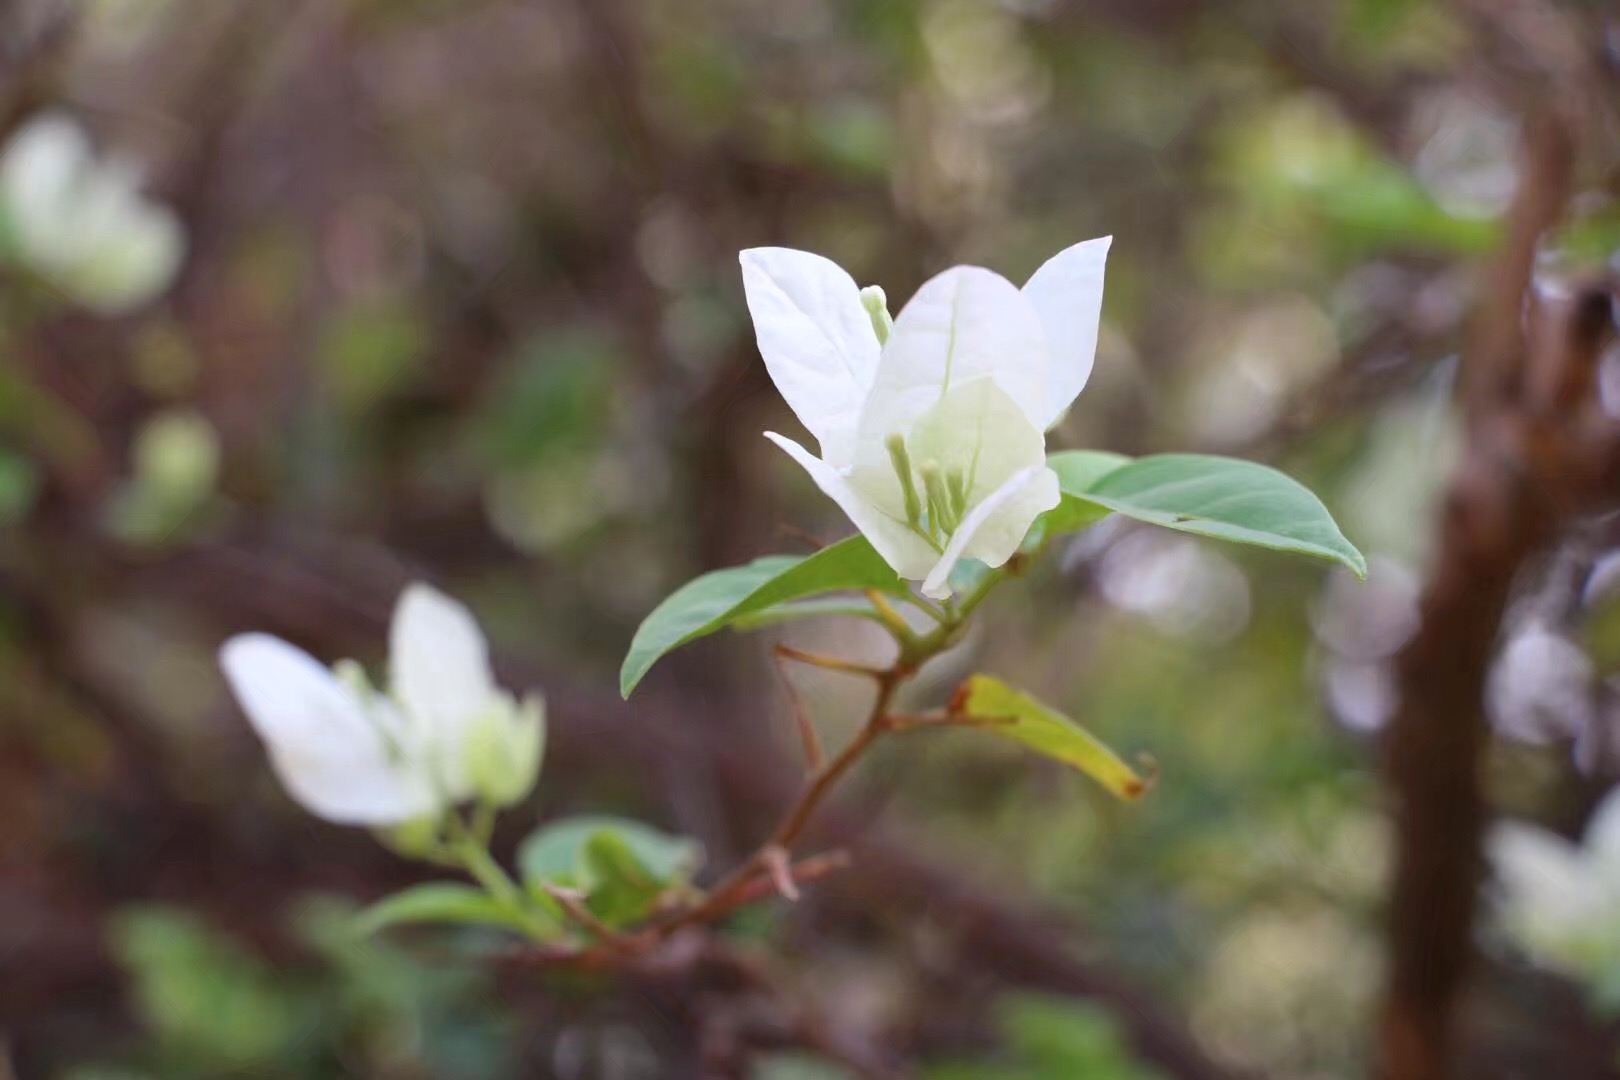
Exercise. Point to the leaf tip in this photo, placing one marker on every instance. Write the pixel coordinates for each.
(1139, 784)
(630, 676)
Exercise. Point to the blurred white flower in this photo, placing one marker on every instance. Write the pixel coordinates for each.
(355, 756)
(1183, 587)
(1540, 688)
(1560, 902)
(82, 224)
(932, 425)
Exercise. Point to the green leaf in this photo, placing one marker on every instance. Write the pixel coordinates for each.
(716, 600)
(1021, 718)
(802, 609)
(438, 902)
(557, 853)
(621, 868)
(1077, 470)
(1225, 498)
(620, 888)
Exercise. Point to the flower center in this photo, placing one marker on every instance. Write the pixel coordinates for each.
(936, 511)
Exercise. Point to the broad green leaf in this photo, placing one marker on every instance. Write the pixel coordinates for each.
(1021, 718)
(1077, 470)
(438, 902)
(1225, 498)
(716, 600)
(557, 852)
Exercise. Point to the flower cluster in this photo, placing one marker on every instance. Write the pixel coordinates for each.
(931, 424)
(82, 224)
(444, 733)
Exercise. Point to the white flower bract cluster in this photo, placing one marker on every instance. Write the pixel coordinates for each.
(349, 753)
(1559, 901)
(932, 425)
(81, 224)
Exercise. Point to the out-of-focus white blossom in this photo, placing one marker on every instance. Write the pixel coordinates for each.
(1560, 902)
(346, 752)
(81, 224)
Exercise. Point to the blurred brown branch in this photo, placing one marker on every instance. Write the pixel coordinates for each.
(1540, 453)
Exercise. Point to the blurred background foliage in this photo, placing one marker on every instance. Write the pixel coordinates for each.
(460, 301)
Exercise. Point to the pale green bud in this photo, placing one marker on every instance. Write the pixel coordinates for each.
(876, 304)
(504, 749)
(176, 456)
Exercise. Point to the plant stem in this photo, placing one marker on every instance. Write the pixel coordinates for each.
(760, 874)
(473, 855)
(727, 894)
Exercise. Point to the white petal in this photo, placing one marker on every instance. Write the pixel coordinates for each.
(903, 549)
(328, 748)
(290, 698)
(135, 261)
(1067, 291)
(1541, 871)
(1602, 838)
(963, 324)
(39, 175)
(816, 338)
(439, 672)
(992, 531)
(368, 786)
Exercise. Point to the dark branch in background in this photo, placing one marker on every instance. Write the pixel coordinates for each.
(1539, 453)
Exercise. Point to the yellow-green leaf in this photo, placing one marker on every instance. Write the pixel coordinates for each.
(1017, 716)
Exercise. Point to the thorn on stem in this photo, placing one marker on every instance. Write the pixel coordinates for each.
(780, 867)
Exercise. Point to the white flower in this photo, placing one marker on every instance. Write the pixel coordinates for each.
(1558, 901)
(354, 756)
(82, 224)
(932, 426)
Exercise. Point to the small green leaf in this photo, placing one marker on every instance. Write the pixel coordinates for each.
(620, 888)
(621, 868)
(716, 600)
(438, 902)
(1225, 498)
(557, 852)
(1021, 718)
(1077, 470)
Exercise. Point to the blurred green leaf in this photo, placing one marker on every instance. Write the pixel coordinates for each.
(201, 991)
(621, 867)
(717, 599)
(438, 902)
(1225, 498)
(555, 396)
(556, 852)
(1025, 720)
(19, 484)
(370, 351)
(1052, 1038)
